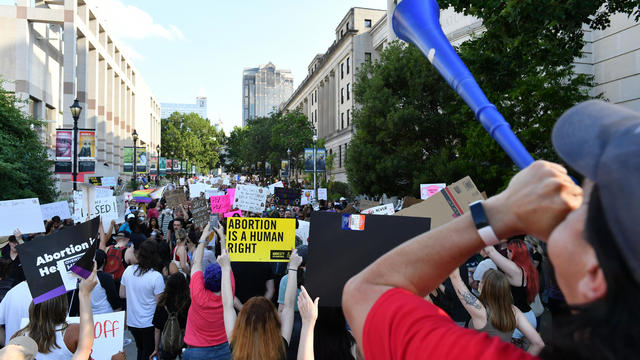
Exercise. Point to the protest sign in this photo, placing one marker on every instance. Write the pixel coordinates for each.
(109, 181)
(213, 192)
(243, 179)
(103, 192)
(106, 208)
(220, 204)
(260, 239)
(322, 194)
(79, 214)
(272, 187)
(121, 204)
(196, 189)
(409, 201)
(95, 180)
(336, 254)
(306, 197)
(175, 198)
(60, 208)
(231, 193)
(303, 231)
(386, 209)
(226, 182)
(426, 190)
(366, 204)
(200, 211)
(237, 213)
(286, 197)
(23, 214)
(250, 198)
(47, 261)
(447, 204)
(181, 181)
(108, 333)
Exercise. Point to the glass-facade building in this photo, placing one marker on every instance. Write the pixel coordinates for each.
(200, 108)
(263, 89)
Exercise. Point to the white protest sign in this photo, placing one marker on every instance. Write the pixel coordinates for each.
(181, 181)
(196, 189)
(272, 187)
(250, 198)
(226, 182)
(208, 193)
(109, 181)
(60, 208)
(322, 194)
(108, 333)
(386, 209)
(102, 192)
(23, 214)
(303, 231)
(426, 190)
(306, 197)
(122, 208)
(78, 210)
(243, 179)
(106, 208)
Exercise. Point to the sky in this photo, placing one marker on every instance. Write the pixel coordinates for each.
(187, 48)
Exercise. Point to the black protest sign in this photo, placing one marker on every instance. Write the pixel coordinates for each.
(341, 245)
(96, 180)
(200, 211)
(175, 198)
(47, 260)
(282, 196)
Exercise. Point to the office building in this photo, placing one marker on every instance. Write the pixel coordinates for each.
(200, 108)
(56, 51)
(263, 89)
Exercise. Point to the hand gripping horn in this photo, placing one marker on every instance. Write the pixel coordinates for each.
(417, 21)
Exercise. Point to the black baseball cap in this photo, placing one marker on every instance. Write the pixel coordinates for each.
(602, 142)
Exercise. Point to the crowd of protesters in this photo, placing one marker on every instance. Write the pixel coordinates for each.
(555, 276)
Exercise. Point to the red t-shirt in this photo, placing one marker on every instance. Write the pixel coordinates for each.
(205, 322)
(401, 325)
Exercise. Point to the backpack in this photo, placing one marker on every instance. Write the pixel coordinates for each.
(115, 264)
(171, 339)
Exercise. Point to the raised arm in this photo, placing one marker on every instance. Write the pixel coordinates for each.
(290, 295)
(309, 314)
(470, 302)
(85, 337)
(102, 245)
(513, 271)
(199, 253)
(522, 324)
(227, 293)
(535, 202)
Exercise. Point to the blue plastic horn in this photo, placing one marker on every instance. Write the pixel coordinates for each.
(418, 22)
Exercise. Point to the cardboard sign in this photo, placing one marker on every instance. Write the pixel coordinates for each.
(108, 333)
(200, 211)
(303, 231)
(175, 198)
(23, 214)
(237, 213)
(60, 209)
(386, 209)
(250, 198)
(260, 239)
(272, 187)
(286, 197)
(409, 201)
(426, 190)
(47, 261)
(106, 208)
(366, 204)
(306, 197)
(109, 181)
(102, 192)
(322, 194)
(220, 204)
(335, 254)
(446, 205)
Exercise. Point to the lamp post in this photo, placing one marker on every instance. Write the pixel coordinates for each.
(135, 158)
(76, 109)
(315, 188)
(158, 165)
(290, 167)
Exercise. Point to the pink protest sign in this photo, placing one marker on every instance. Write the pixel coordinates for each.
(426, 190)
(233, 213)
(231, 193)
(220, 204)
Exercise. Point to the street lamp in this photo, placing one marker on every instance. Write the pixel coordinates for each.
(158, 165)
(315, 188)
(135, 158)
(76, 109)
(290, 167)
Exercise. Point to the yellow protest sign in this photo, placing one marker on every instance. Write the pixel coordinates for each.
(260, 239)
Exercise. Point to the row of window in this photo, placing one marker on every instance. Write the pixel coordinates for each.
(340, 154)
(342, 119)
(342, 68)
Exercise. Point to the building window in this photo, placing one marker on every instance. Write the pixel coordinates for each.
(345, 153)
(341, 33)
(342, 71)
(342, 96)
(348, 91)
(311, 98)
(367, 56)
(339, 156)
(348, 113)
(316, 111)
(341, 121)
(348, 66)
(367, 23)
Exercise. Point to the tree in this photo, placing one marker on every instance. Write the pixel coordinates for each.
(27, 170)
(191, 138)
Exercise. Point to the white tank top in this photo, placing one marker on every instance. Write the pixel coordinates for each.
(57, 354)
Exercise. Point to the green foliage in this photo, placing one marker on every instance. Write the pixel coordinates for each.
(190, 137)
(337, 189)
(412, 128)
(27, 171)
(267, 139)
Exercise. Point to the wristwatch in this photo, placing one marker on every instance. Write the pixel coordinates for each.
(481, 222)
